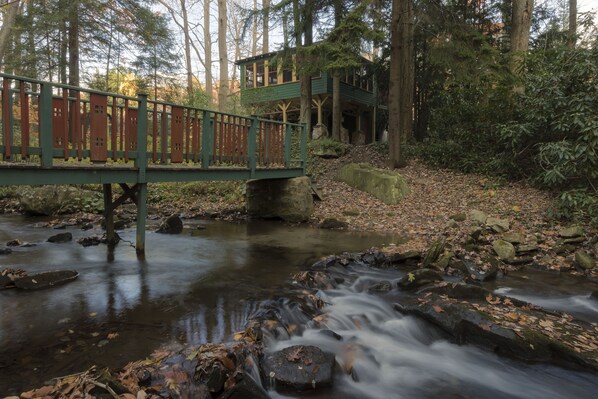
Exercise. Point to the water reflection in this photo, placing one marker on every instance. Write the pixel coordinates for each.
(196, 287)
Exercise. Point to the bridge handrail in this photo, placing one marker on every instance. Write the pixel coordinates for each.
(206, 136)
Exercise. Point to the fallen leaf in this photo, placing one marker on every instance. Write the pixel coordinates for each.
(113, 335)
(294, 355)
(437, 309)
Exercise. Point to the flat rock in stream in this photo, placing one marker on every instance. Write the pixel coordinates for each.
(418, 278)
(45, 280)
(299, 368)
(507, 326)
(60, 238)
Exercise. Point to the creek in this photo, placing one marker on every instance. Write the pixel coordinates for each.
(202, 286)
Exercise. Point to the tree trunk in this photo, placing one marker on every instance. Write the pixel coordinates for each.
(400, 96)
(74, 43)
(207, 50)
(520, 25)
(223, 55)
(572, 24)
(254, 30)
(7, 26)
(336, 81)
(187, 36)
(266, 27)
(304, 78)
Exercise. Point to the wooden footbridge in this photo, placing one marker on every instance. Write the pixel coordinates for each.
(58, 134)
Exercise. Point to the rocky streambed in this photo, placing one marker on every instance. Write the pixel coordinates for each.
(372, 325)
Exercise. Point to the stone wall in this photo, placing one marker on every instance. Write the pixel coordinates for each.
(287, 199)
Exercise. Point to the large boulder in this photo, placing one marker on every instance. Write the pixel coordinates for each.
(386, 185)
(53, 200)
(504, 249)
(171, 225)
(287, 199)
(299, 368)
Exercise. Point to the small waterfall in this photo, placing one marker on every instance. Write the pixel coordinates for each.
(383, 354)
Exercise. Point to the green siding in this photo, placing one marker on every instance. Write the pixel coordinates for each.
(285, 91)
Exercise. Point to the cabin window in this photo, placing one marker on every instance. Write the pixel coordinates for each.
(272, 74)
(287, 75)
(260, 74)
(249, 78)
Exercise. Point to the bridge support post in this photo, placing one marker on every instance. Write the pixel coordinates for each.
(109, 215)
(141, 217)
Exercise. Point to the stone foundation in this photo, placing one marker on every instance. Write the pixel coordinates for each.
(287, 199)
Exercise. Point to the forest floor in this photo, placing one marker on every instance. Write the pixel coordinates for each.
(437, 202)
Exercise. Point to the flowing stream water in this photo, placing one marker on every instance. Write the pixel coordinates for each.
(202, 286)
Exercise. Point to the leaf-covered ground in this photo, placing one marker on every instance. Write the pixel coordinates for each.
(437, 195)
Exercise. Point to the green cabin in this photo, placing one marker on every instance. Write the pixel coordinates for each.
(273, 88)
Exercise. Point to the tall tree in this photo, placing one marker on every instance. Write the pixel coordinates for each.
(266, 26)
(8, 23)
(400, 96)
(207, 38)
(73, 44)
(572, 23)
(521, 21)
(222, 55)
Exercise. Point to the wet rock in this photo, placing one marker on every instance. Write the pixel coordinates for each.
(172, 225)
(332, 334)
(418, 278)
(478, 216)
(457, 264)
(584, 260)
(498, 225)
(475, 274)
(458, 217)
(45, 280)
(94, 240)
(213, 377)
(594, 295)
(144, 377)
(381, 286)
(325, 263)
(5, 251)
(572, 232)
(299, 368)
(526, 248)
(504, 249)
(87, 226)
(106, 379)
(434, 252)
(245, 388)
(332, 223)
(404, 257)
(5, 281)
(374, 258)
(61, 238)
(14, 243)
(60, 226)
(513, 237)
(444, 261)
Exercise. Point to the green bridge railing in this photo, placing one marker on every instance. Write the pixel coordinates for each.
(56, 124)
